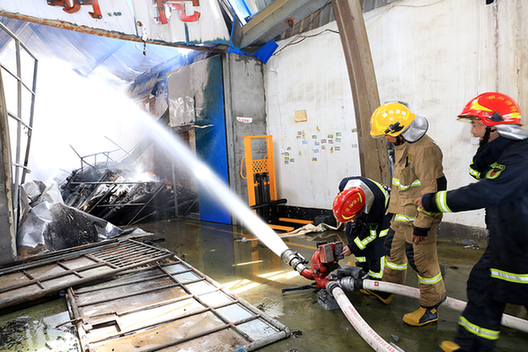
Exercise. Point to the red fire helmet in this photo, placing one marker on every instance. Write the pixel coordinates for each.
(349, 204)
(492, 109)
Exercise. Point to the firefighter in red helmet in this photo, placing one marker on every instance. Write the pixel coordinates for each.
(500, 165)
(362, 205)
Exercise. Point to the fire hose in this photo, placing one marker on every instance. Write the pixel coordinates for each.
(325, 260)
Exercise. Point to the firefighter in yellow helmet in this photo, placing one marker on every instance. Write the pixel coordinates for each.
(417, 170)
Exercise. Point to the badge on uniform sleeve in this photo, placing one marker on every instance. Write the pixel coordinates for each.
(496, 170)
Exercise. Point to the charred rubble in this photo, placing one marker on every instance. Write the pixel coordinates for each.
(116, 196)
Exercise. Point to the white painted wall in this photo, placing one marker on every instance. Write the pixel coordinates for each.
(435, 55)
(311, 76)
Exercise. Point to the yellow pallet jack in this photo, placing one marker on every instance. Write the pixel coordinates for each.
(261, 183)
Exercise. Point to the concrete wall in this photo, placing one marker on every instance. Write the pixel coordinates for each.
(245, 112)
(435, 55)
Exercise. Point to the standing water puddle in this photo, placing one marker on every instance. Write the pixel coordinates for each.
(250, 270)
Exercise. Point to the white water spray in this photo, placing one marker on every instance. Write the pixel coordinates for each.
(215, 186)
(90, 109)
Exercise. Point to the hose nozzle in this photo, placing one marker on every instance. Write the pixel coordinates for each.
(295, 260)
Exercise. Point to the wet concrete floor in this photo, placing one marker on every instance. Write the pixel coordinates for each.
(237, 260)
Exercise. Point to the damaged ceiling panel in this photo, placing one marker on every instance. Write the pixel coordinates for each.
(196, 22)
(87, 53)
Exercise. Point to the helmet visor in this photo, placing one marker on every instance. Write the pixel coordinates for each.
(416, 129)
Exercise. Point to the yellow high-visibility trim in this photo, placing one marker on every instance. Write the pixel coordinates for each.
(397, 183)
(395, 266)
(379, 274)
(510, 277)
(361, 259)
(384, 233)
(477, 330)
(474, 173)
(359, 244)
(431, 280)
(384, 191)
(362, 244)
(403, 218)
(427, 212)
(441, 202)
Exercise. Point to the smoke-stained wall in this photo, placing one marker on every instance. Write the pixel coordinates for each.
(434, 55)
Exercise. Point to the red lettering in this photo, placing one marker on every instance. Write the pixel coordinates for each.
(163, 5)
(75, 5)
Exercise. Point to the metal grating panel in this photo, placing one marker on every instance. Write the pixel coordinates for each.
(170, 307)
(31, 279)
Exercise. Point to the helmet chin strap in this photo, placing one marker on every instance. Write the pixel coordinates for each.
(400, 140)
(486, 136)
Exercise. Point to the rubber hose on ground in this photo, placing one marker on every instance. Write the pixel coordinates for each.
(389, 287)
(364, 330)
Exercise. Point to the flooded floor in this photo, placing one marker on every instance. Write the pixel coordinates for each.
(252, 271)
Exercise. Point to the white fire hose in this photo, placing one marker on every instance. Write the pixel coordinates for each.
(363, 329)
(335, 288)
(374, 285)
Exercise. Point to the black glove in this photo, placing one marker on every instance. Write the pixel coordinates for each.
(420, 231)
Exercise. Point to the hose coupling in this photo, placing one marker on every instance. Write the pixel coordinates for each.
(295, 260)
(348, 284)
(331, 286)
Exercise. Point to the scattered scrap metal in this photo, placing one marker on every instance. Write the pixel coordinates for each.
(116, 196)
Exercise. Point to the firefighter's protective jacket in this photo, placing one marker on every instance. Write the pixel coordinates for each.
(503, 191)
(417, 169)
(372, 224)
(366, 234)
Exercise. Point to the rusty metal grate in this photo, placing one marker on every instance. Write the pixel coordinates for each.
(169, 307)
(40, 276)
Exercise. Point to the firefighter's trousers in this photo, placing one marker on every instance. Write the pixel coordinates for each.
(421, 257)
(479, 324)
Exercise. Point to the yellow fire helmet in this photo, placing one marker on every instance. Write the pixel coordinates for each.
(393, 119)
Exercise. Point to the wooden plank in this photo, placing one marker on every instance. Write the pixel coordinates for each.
(297, 221)
(372, 152)
(281, 228)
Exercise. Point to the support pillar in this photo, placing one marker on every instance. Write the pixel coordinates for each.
(372, 152)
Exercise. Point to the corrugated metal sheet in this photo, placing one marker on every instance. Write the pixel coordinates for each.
(199, 22)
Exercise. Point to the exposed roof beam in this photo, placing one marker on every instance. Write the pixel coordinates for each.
(271, 22)
(108, 34)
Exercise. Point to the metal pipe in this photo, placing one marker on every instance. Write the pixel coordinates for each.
(30, 129)
(150, 200)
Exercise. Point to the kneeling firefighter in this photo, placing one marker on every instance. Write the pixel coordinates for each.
(417, 170)
(362, 204)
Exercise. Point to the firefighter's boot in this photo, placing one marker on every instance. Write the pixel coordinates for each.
(384, 297)
(421, 317)
(450, 346)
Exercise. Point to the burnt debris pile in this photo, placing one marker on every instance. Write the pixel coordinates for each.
(118, 196)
